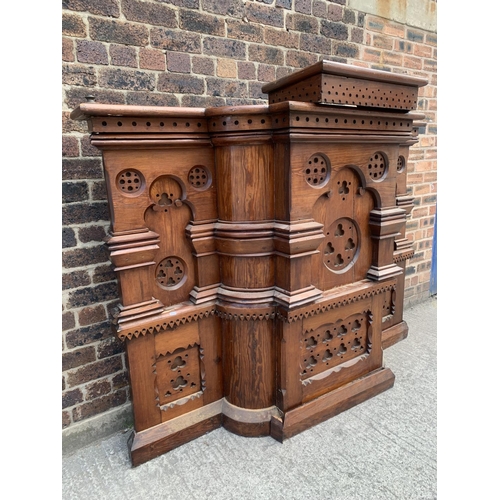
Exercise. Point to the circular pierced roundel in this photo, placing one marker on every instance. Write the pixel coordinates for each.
(377, 166)
(171, 272)
(317, 170)
(401, 163)
(130, 181)
(199, 177)
(341, 245)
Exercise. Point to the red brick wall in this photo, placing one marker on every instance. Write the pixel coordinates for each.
(201, 53)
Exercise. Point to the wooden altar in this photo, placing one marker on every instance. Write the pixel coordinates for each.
(260, 252)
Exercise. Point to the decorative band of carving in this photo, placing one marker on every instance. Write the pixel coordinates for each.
(181, 401)
(258, 314)
(344, 297)
(403, 255)
(169, 319)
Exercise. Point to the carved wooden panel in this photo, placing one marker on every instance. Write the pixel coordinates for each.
(260, 252)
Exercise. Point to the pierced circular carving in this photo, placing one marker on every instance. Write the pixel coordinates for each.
(130, 181)
(377, 167)
(171, 272)
(199, 177)
(401, 164)
(317, 170)
(341, 245)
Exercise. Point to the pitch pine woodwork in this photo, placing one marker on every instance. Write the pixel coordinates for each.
(260, 252)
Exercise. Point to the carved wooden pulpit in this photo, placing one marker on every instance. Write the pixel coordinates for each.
(260, 252)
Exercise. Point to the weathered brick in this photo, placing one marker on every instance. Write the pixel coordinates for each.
(177, 41)
(374, 23)
(88, 335)
(107, 30)
(246, 70)
(73, 25)
(263, 14)
(178, 62)
(198, 22)
(202, 65)
(149, 13)
(68, 125)
(126, 79)
(303, 6)
(90, 234)
(75, 279)
(83, 213)
(66, 419)
(382, 42)
(315, 43)
(119, 381)
(232, 8)
(335, 13)
(357, 35)
(74, 191)
(319, 8)
(188, 4)
(94, 371)
(99, 405)
(103, 274)
(276, 37)
(412, 62)
(226, 88)
(349, 16)
(151, 99)
(100, 7)
(67, 50)
(81, 168)
(70, 146)
(299, 59)
(152, 59)
(123, 55)
(77, 358)
(392, 58)
(266, 73)
(265, 54)
(227, 68)
(90, 315)
(88, 51)
(337, 31)
(177, 82)
(414, 35)
(93, 295)
(361, 19)
(71, 398)
(348, 50)
(79, 75)
(110, 347)
(79, 257)
(222, 47)
(76, 96)
(201, 101)
(87, 148)
(304, 24)
(68, 321)
(238, 29)
(255, 90)
(97, 389)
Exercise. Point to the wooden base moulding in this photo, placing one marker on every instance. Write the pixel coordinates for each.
(260, 252)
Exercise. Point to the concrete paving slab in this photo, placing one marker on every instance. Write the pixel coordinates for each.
(384, 448)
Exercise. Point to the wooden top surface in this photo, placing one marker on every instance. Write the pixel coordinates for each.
(344, 70)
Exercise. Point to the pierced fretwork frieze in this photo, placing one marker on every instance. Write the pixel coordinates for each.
(334, 343)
